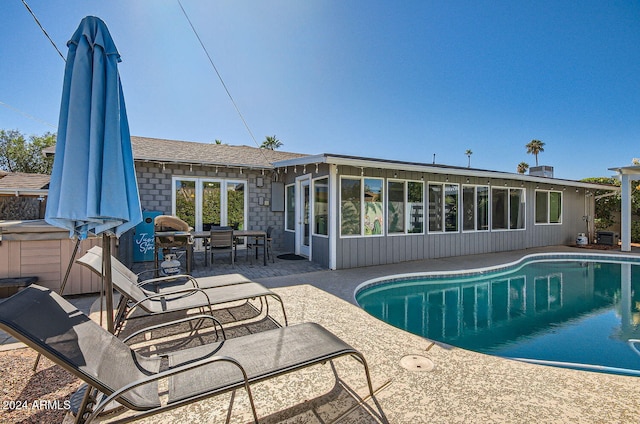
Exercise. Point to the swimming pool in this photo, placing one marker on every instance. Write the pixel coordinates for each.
(578, 311)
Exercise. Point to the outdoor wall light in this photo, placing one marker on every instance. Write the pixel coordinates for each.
(316, 168)
(395, 175)
(467, 180)
(361, 172)
(295, 169)
(304, 169)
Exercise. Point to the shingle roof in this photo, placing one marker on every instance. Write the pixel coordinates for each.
(160, 150)
(23, 181)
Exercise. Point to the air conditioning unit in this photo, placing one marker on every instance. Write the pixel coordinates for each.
(608, 238)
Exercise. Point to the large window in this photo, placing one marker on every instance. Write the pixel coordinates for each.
(443, 207)
(290, 202)
(475, 208)
(508, 209)
(203, 202)
(350, 209)
(321, 206)
(361, 206)
(548, 207)
(405, 207)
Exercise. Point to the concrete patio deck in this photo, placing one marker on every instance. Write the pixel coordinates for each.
(462, 386)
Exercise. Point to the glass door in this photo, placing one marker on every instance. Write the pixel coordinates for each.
(303, 211)
(204, 202)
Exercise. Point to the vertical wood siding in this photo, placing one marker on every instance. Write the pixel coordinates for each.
(378, 250)
(48, 260)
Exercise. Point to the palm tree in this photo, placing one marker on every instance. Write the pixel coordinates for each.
(271, 143)
(534, 147)
(522, 167)
(468, 153)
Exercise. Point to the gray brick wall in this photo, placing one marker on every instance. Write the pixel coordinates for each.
(154, 185)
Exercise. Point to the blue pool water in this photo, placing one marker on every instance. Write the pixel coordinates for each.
(572, 312)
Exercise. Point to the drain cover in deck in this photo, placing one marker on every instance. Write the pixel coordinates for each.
(417, 363)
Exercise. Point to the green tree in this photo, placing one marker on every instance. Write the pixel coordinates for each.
(522, 167)
(17, 154)
(534, 147)
(468, 153)
(606, 206)
(271, 143)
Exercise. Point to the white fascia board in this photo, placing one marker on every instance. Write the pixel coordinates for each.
(199, 163)
(425, 168)
(24, 192)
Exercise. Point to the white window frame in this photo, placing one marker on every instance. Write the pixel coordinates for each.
(313, 208)
(223, 200)
(508, 188)
(475, 208)
(362, 206)
(286, 208)
(444, 215)
(535, 206)
(407, 212)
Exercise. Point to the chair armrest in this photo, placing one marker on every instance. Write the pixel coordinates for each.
(169, 295)
(188, 277)
(175, 322)
(168, 373)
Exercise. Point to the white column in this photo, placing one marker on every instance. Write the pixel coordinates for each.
(334, 216)
(625, 224)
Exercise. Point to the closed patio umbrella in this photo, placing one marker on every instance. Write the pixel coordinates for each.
(93, 185)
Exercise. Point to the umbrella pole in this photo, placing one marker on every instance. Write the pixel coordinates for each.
(107, 281)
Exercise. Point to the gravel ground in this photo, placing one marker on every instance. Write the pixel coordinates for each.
(28, 397)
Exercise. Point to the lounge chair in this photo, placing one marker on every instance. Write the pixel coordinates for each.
(52, 326)
(199, 293)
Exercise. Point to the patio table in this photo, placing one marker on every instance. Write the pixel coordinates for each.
(241, 233)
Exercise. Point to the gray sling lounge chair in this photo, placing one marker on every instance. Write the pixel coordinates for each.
(52, 326)
(208, 291)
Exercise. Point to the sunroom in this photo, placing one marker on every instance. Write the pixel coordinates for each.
(345, 211)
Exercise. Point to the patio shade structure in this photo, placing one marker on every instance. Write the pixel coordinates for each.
(93, 185)
(627, 174)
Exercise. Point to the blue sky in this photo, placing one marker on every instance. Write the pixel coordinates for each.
(384, 79)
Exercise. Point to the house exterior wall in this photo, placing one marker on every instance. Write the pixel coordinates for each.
(155, 187)
(358, 251)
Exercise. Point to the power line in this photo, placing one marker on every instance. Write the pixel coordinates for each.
(43, 30)
(221, 80)
(27, 115)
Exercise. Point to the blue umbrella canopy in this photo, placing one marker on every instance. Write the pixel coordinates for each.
(93, 185)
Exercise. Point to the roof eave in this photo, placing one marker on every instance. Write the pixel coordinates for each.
(425, 168)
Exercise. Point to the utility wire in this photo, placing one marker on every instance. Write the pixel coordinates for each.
(27, 115)
(43, 30)
(222, 81)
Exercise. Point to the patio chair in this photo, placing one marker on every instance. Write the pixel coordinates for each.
(195, 294)
(221, 241)
(49, 324)
(258, 243)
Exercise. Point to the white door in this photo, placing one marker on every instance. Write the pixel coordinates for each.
(303, 218)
